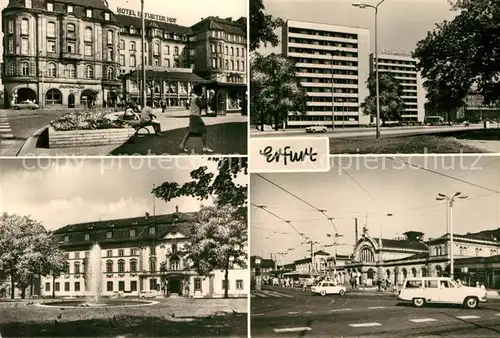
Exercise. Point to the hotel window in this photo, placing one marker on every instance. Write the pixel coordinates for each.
(88, 50)
(213, 48)
(166, 63)
(109, 253)
(25, 27)
(11, 45)
(197, 284)
(156, 49)
(214, 63)
(122, 45)
(175, 263)
(239, 284)
(70, 31)
(77, 267)
(219, 48)
(122, 60)
(24, 46)
(88, 34)
(226, 64)
(121, 286)
(232, 51)
(243, 66)
(109, 286)
(68, 74)
(153, 284)
(89, 13)
(121, 252)
(57, 287)
(27, 3)
(109, 266)
(51, 29)
(50, 6)
(77, 286)
(227, 50)
(133, 285)
(237, 52)
(237, 66)
(132, 45)
(47, 286)
(121, 266)
(71, 73)
(66, 286)
(132, 64)
(66, 238)
(157, 62)
(11, 27)
(110, 37)
(110, 54)
(152, 230)
(69, 9)
(106, 16)
(152, 265)
(11, 69)
(25, 67)
(133, 252)
(111, 73)
(131, 232)
(176, 50)
(133, 265)
(166, 50)
(71, 47)
(232, 65)
(243, 52)
(90, 73)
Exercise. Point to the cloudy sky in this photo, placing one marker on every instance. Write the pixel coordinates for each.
(66, 191)
(401, 23)
(369, 191)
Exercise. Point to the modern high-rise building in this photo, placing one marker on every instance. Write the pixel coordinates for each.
(332, 63)
(404, 69)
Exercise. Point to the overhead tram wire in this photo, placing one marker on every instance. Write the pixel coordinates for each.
(445, 175)
(263, 207)
(300, 199)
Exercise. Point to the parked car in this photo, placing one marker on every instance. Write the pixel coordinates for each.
(118, 294)
(148, 294)
(316, 129)
(328, 288)
(444, 290)
(26, 105)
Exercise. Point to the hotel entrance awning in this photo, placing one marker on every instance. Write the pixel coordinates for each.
(165, 76)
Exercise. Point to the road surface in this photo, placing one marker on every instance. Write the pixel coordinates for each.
(370, 132)
(293, 313)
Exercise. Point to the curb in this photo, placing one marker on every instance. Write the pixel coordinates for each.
(27, 144)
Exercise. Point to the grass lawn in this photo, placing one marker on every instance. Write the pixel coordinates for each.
(169, 318)
(421, 144)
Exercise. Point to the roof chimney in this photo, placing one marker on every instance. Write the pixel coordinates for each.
(177, 209)
(146, 215)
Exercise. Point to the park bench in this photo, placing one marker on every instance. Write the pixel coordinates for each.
(135, 122)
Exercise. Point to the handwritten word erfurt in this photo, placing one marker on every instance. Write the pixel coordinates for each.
(288, 155)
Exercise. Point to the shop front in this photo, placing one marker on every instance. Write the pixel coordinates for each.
(227, 98)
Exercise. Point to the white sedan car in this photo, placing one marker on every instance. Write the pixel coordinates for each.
(316, 129)
(329, 288)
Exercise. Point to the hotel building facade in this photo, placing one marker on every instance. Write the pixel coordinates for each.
(141, 253)
(65, 53)
(332, 64)
(404, 69)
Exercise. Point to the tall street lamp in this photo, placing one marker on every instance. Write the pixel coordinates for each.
(450, 201)
(377, 90)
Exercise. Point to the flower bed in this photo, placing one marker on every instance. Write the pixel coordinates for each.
(86, 129)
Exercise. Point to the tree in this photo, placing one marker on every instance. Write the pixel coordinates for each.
(25, 246)
(218, 242)
(461, 54)
(205, 184)
(391, 104)
(275, 91)
(262, 26)
(55, 265)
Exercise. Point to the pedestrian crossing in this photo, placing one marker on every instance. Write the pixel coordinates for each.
(5, 130)
(270, 294)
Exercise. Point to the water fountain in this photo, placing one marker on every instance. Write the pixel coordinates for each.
(93, 277)
(93, 294)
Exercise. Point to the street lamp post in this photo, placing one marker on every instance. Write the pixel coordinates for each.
(450, 201)
(143, 55)
(377, 89)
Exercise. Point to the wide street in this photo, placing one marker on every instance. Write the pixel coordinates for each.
(225, 135)
(291, 312)
(369, 132)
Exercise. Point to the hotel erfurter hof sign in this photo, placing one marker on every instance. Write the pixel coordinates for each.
(148, 16)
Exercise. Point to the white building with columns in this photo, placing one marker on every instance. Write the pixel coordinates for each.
(141, 253)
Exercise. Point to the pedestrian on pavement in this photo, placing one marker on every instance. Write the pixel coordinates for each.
(196, 126)
(379, 285)
(148, 117)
